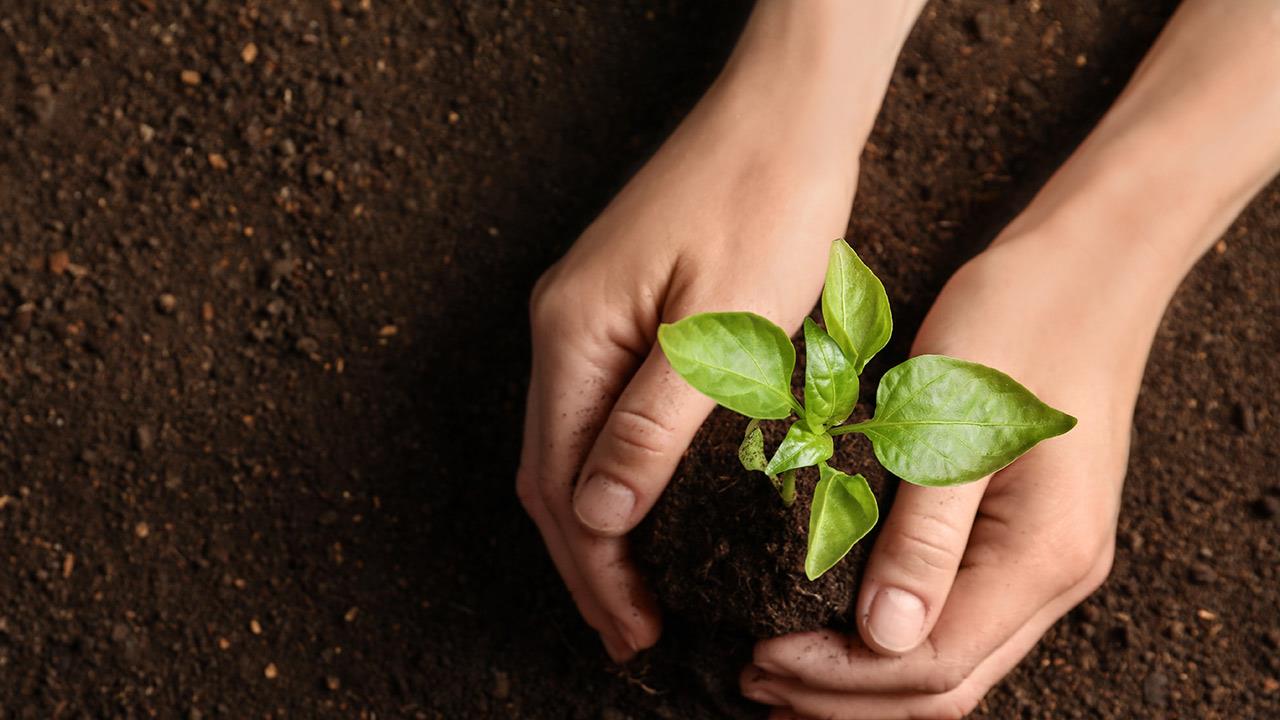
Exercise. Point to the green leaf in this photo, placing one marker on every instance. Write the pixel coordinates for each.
(844, 510)
(738, 359)
(943, 421)
(854, 306)
(801, 447)
(751, 451)
(830, 383)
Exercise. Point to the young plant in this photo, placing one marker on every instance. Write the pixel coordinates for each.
(938, 421)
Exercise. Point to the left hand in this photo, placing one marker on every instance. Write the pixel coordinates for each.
(963, 581)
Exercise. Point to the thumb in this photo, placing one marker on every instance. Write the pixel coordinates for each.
(914, 564)
(648, 430)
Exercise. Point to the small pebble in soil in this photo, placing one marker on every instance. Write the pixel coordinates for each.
(984, 25)
(58, 262)
(217, 162)
(279, 270)
(1272, 639)
(45, 103)
(1155, 689)
(1202, 574)
(167, 303)
(22, 318)
(142, 530)
(190, 77)
(144, 438)
(1267, 507)
(270, 672)
(255, 627)
(249, 53)
(1246, 418)
(332, 682)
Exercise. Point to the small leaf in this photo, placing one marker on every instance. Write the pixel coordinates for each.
(943, 421)
(830, 383)
(855, 306)
(738, 359)
(844, 510)
(751, 451)
(800, 448)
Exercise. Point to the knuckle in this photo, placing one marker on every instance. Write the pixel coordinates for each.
(527, 491)
(549, 301)
(1080, 563)
(957, 705)
(638, 431)
(948, 677)
(553, 497)
(1098, 573)
(926, 548)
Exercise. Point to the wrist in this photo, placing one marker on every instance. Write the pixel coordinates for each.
(1185, 147)
(820, 61)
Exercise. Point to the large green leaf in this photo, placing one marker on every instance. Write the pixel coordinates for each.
(844, 510)
(943, 421)
(854, 306)
(830, 383)
(738, 359)
(801, 447)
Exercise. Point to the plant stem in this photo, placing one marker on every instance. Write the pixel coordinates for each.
(795, 405)
(856, 427)
(788, 489)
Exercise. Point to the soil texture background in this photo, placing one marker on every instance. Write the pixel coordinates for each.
(264, 270)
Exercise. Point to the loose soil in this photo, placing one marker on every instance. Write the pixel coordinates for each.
(722, 551)
(263, 281)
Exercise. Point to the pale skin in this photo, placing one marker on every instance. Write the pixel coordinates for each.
(736, 212)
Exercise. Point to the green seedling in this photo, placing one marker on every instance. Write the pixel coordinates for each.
(938, 421)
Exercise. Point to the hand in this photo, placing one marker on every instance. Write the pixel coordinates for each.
(962, 582)
(735, 212)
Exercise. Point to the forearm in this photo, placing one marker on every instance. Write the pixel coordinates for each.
(822, 65)
(1099, 252)
(1194, 136)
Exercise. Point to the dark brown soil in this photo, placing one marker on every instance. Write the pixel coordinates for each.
(721, 549)
(259, 424)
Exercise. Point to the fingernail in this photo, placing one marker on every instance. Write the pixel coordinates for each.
(895, 619)
(604, 504)
(762, 695)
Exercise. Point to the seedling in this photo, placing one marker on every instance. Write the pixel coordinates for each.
(938, 421)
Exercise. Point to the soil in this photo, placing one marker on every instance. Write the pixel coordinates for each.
(720, 549)
(263, 280)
